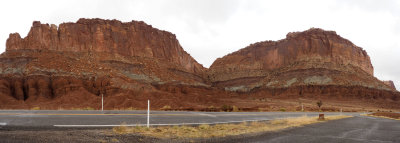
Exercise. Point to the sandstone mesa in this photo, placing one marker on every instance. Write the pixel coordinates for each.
(74, 63)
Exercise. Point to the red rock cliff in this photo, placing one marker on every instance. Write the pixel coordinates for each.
(390, 84)
(314, 46)
(111, 36)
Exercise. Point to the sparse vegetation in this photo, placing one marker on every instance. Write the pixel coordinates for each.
(121, 129)
(130, 108)
(85, 108)
(229, 108)
(386, 114)
(211, 109)
(35, 108)
(204, 126)
(114, 140)
(226, 108)
(282, 109)
(235, 109)
(220, 130)
(319, 104)
(262, 109)
(88, 108)
(166, 108)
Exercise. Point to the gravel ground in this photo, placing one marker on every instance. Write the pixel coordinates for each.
(13, 135)
(77, 135)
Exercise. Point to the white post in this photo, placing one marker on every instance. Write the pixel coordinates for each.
(102, 102)
(302, 109)
(148, 113)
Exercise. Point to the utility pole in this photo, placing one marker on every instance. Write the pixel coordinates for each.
(148, 113)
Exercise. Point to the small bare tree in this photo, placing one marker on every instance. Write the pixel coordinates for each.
(319, 104)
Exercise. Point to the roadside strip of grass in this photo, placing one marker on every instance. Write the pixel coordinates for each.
(221, 130)
(386, 115)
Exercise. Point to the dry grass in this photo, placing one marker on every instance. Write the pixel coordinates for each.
(35, 108)
(84, 108)
(387, 114)
(235, 109)
(166, 108)
(221, 130)
(114, 140)
(130, 108)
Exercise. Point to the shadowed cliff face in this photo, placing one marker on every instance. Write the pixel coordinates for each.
(108, 36)
(94, 56)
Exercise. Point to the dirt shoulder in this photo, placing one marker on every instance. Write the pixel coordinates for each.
(387, 114)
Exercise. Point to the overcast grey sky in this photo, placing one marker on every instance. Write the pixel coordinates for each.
(208, 29)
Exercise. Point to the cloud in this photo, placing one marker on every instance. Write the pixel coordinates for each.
(377, 6)
(211, 11)
(373, 5)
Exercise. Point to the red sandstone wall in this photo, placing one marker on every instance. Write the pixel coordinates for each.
(111, 36)
(311, 46)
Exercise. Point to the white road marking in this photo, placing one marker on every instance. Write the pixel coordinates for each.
(374, 118)
(209, 115)
(177, 124)
(3, 124)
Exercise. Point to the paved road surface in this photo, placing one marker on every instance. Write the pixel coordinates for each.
(21, 125)
(359, 129)
(70, 118)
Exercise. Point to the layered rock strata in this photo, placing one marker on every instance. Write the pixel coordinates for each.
(94, 56)
(72, 64)
(390, 84)
(312, 57)
(134, 38)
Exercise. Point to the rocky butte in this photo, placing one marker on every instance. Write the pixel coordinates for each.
(71, 65)
(312, 57)
(106, 36)
(92, 57)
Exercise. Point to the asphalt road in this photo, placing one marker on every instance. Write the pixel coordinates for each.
(81, 126)
(358, 129)
(69, 118)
